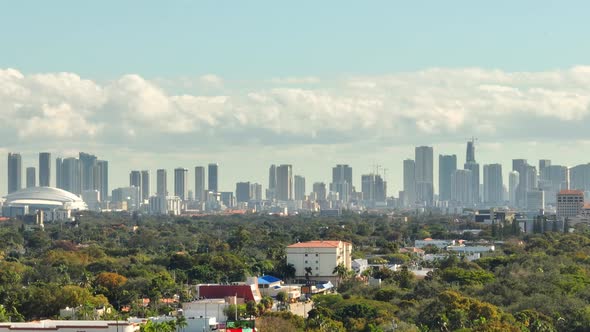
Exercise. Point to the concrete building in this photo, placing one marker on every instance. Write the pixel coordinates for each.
(165, 205)
(128, 197)
(92, 199)
(553, 179)
(535, 201)
(161, 182)
(447, 165)
(473, 166)
(103, 179)
(409, 182)
(71, 175)
(461, 188)
(213, 177)
(321, 256)
(200, 193)
(569, 203)
(319, 188)
(44, 169)
(47, 199)
(513, 180)
(342, 181)
(135, 181)
(145, 185)
(580, 177)
(299, 187)
(243, 192)
(284, 185)
(31, 177)
(424, 175)
(71, 326)
(493, 189)
(272, 183)
(88, 171)
(14, 172)
(181, 183)
(256, 192)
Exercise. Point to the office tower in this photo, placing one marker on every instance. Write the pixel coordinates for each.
(135, 181)
(513, 180)
(243, 192)
(447, 165)
(342, 181)
(554, 179)
(380, 189)
(103, 179)
(256, 192)
(227, 198)
(162, 183)
(284, 186)
(543, 163)
(520, 166)
(128, 196)
(461, 187)
(44, 169)
(31, 178)
(580, 177)
(58, 173)
(493, 185)
(299, 187)
(71, 175)
(87, 170)
(424, 175)
(272, 183)
(569, 203)
(368, 187)
(535, 201)
(409, 182)
(145, 185)
(319, 188)
(213, 177)
(200, 194)
(181, 183)
(14, 172)
(473, 166)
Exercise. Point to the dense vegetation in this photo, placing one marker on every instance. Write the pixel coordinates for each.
(537, 282)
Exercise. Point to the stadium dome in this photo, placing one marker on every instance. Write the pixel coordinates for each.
(45, 198)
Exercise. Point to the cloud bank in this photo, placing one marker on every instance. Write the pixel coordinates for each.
(422, 107)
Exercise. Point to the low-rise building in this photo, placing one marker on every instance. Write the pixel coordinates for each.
(432, 242)
(318, 259)
(71, 326)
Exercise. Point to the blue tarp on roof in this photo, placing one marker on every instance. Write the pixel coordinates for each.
(265, 280)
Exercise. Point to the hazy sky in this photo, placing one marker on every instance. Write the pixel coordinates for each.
(149, 85)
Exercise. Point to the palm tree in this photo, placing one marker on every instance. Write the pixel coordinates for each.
(181, 322)
(341, 271)
(308, 272)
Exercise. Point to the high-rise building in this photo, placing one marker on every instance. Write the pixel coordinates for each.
(299, 187)
(71, 175)
(520, 166)
(31, 177)
(319, 188)
(424, 175)
(135, 181)
(473, 166)
(243, 192)
(272, 183)
(554, 178)
(580, 177)
(200, 194)
(145, 185)
(535, 201)
(342, 181)
(569, 203)
(161, 182)
(213, 177)
(58, 173)
(513, 180)
(374, 188)
(447, 165)
(461, 187)
(181, 183)
(14, 172)
(284, 187)
(256, 192)
(493, 184)
(88, 171)
(44, 169)
(543, 163)
(409, 182)
(103, 179)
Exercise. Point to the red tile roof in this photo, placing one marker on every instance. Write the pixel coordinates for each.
(571, 192)
(222, 291)
(316, 244)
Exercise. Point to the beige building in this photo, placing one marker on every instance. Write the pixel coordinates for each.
(569, 203)
(71, 326)
(321, 256)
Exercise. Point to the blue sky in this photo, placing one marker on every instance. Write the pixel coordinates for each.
(150, 84)
(258, 39)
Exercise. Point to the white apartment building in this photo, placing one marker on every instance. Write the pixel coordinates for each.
(321, 256)
(71, 326)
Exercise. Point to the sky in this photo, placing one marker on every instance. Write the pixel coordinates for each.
(149, 85)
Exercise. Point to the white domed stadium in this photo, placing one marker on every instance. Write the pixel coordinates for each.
(45, 198)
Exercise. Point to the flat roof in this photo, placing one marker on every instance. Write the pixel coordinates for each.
(317, 244)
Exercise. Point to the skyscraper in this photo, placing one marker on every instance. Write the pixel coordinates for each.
(424, 175)
(181, 183)
(409, 182)
(513, 180)
(58, 173)
(492, 184)
(103, 179)
(200, 184)
(580, 177)
(213, 177)
(342, 181)
(447, 165)
(162, 182)
(135, 181)
(31, 177)
(299, 187)
(14, 172)
(87, 171)
(319, 188)
(284, 187)
(71, 175)
(555, 179)
(543, 163)
(44, 169)
(145, 185)
(243, 192)
(461, 187)
(473, 166)
(256, 192)
(520, 165)
(272, 182)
